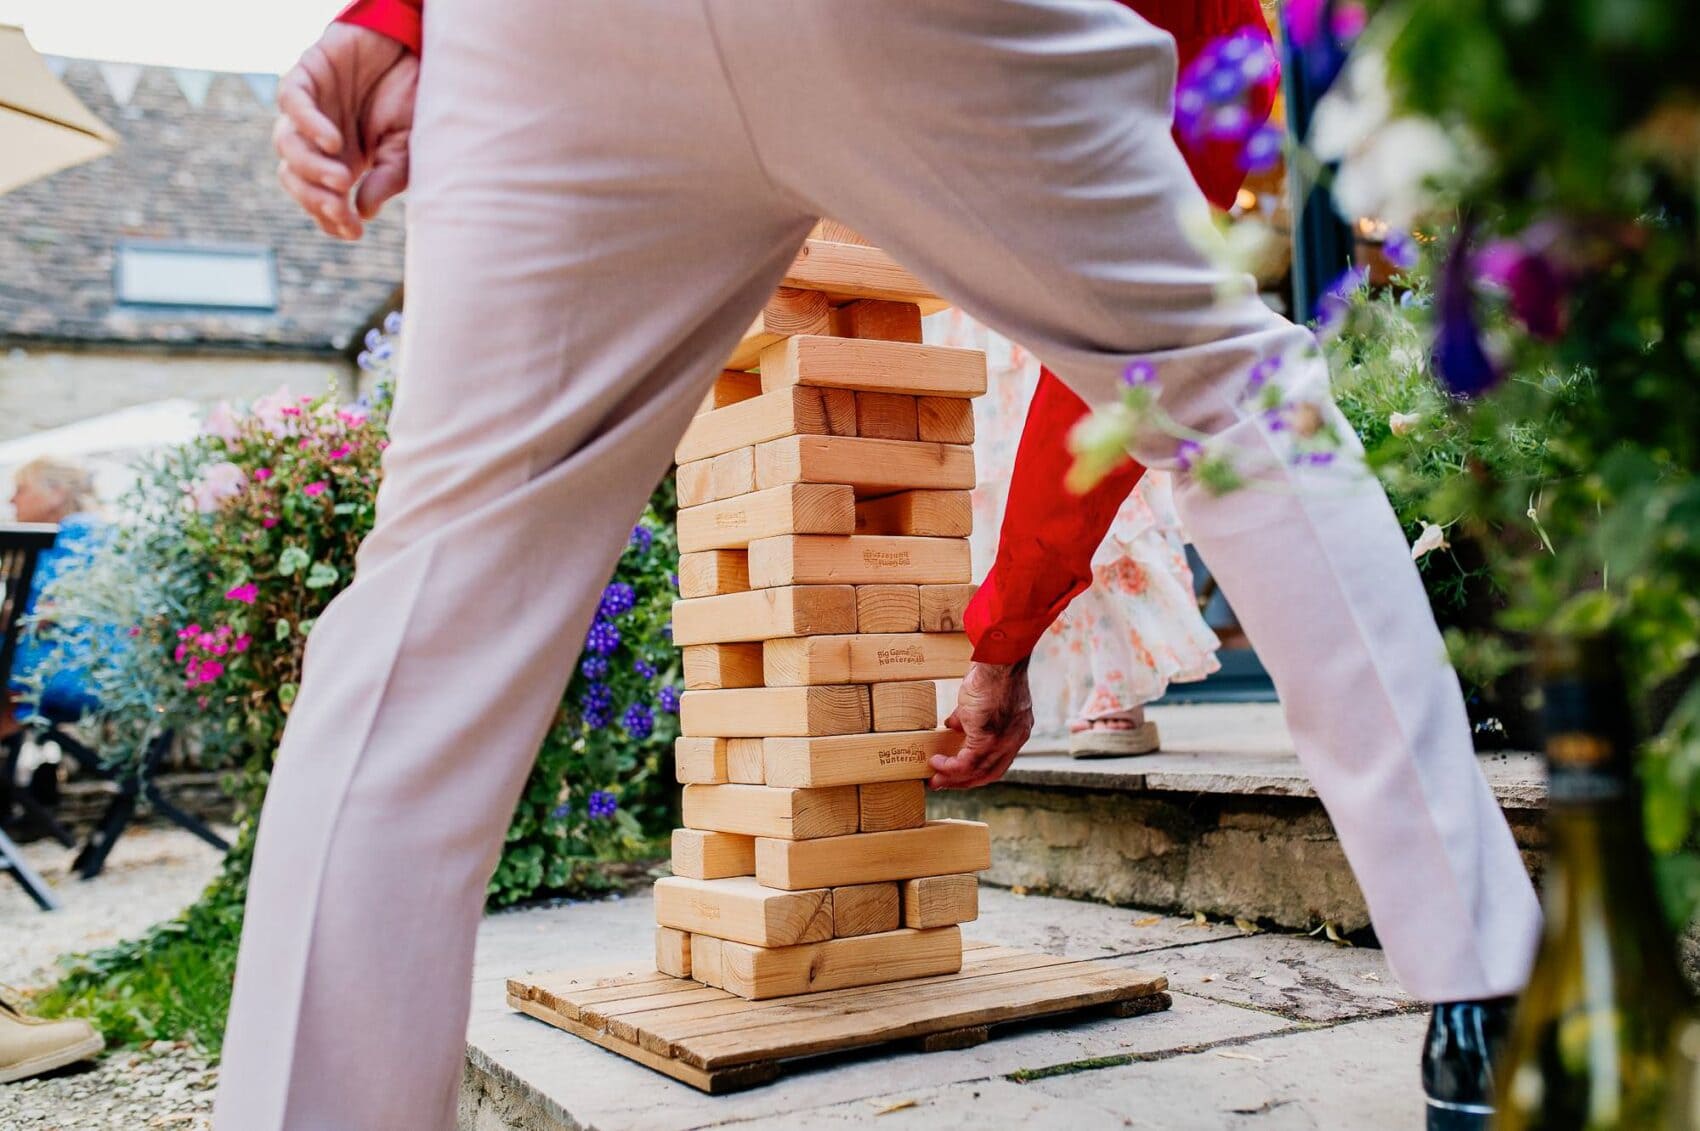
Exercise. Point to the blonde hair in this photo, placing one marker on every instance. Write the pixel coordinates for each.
(71, 480)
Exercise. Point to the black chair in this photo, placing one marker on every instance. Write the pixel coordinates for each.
(134, 782)
(20, 547)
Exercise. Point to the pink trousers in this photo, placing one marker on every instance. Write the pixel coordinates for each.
(604, 194)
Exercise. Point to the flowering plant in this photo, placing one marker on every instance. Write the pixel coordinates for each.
(1549, 152)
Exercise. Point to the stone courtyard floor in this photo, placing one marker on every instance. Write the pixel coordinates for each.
(1267, 1031)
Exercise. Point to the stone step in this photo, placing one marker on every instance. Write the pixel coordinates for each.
(1223, 820)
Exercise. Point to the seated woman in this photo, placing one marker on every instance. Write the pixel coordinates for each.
(60, 493)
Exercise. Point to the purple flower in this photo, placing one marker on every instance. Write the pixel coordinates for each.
(1139, 375)
(642, 539)
(669, 699)
(1187, 455)
(1331, 308)
(1459, 358)
(561, 810)
(1400, 250)
(603, 638)
(1536, 286)
(645, 669)
(597, 697)
(616, 599)
(594, 667)
(674, 578)
(1263, 148)
(602, 805)
(596, 719)
(392, 322)
(639, 721)
(1323, 31)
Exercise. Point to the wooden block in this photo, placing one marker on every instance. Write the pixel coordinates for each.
(869, 365)
(733, 473)
(848, 271)
(708, 960)
(892, 805)
(945, 420)
(744, 761)
(767, 811)
(694, 482)
(942, 606)
(839, 233)
(888, 608)
(702, 855)
(742, 910)
(713, 667)
(673, 952)
(733, 386)
(795, 508)
(792, 411)
(789, 311)
(758, 973)
(865, 658)
(783, 712)
(887, 416)
(872, 559)
(938, 901)
(724, 476)
(872, 467)
(897, 706)
(700, 761)
(866, 909)
(926, 514)
(852, 759)
(937, 848)
(711, 573)
(764, 614)
(871, 318)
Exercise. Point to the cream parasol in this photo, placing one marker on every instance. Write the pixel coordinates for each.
(43, 126)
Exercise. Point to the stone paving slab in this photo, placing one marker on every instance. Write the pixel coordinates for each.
(1232, 748)
(525, 1075)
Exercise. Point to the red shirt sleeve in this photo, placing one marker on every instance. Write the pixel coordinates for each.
(1048, 538)
(401, 20)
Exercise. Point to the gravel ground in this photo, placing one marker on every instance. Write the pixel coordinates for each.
(151, 875)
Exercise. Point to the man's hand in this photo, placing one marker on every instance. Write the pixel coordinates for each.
(346, 116)
(994, 712)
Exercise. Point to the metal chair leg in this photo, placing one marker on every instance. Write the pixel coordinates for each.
(11, 860)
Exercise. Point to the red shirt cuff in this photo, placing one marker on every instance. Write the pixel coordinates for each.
(401, 20)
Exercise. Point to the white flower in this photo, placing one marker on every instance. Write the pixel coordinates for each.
(1432, 538)
(1387, 162)
(1404, 423)
(218, 482)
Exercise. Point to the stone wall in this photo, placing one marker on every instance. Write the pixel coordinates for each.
(1274, 860)
(43, 388)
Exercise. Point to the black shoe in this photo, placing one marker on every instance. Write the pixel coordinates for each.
(1464, 1041)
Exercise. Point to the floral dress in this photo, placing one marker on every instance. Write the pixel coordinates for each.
(1137, 629)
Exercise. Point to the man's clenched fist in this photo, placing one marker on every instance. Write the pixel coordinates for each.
(346, 114)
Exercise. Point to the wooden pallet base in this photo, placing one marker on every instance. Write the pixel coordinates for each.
(718, 1043)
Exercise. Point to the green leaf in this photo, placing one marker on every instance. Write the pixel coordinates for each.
(281, 632)
(322, 576)
(345, 508)
(292, 561)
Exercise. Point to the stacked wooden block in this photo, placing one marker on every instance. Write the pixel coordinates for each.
(823, 523)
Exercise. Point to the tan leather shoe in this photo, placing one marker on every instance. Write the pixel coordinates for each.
(30, 1046)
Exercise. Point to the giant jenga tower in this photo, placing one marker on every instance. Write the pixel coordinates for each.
(823, 523)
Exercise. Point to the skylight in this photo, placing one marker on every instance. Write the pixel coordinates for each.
(171, 274)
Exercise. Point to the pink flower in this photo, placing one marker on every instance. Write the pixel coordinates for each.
(220, 649)
(261, 474)
(135, 630)
(247, 594)
(180, 652)
(221, 422)
(241, 642)
(352, 419)
(290, 410)
(269, 411)
(218, 482)
(211, 670)
(269, 521)
(342, 452)
(314, 490)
